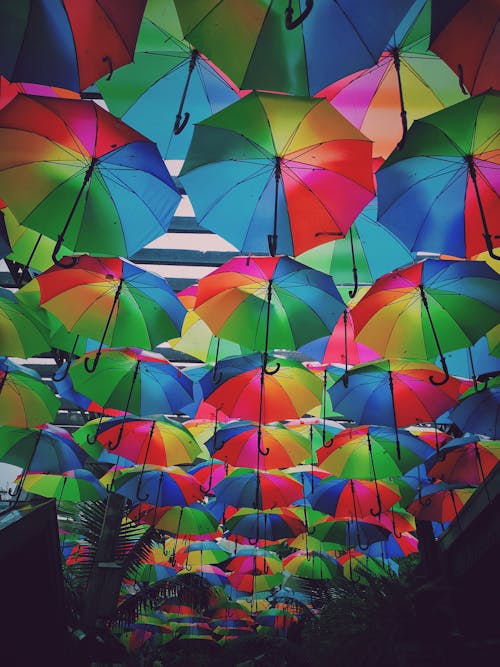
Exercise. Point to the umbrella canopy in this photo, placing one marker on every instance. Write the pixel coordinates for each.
(165, 74)
(357, 565)
(67, 44)
(263, 302)
(370, 452)
(439, 193)
(183, 521)
(467, 460)
(87, 176)
(347, 532)
(73, 486)
(21, 335)
(408, 82)
(428, 308)
(479, 412)
(440, 502)
(270, 524)
(133, 380)
(267, 46)
(24, 399)
(312, 565)
(111, 300)
(288, 393)
(295, 170)
(394, 547)
(477, 22)
(350, 498)
(245, 487)
(237, 443)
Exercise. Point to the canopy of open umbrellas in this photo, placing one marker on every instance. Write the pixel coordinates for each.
(345, 382)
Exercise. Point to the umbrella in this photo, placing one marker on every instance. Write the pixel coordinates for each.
(133, 380)
(269, 524)
(111, 300)
(165, 74)
(279, 619)
(21, 335)
(395, 393)
(73, 486)
(269, 46)
(440, 501)
(477, 22)
(199, 553)
(245, 487)
(162, 486)
(427, 308)
(255, 561)
(394, 547)
(479, 412)
(353, 499)
(439, 193)
(209, 473)
(66, 44)
(248, 582)
(356, 566)
(295, 170)
(24, 399)
(468, 460)
(356, 260)
(289, 389)
(180, 520)
(407, 82)
(370, 452)
(263, 302)
(237, 443)
(348, 532)
(87, 177)
(312, 565)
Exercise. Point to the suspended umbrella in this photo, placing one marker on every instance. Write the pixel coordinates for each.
(317, 430)
(181, 521)
(21, 335)
(281, 162)
(479, 412)
(88, 178)
(111, 300)
(269, 524)
(289, 389)
(163, 442)
(329, 375)
(440, 501)
(312, 565)
(297, 48)
(407, 82)
(347, 532)
(199, 553)
(428, 308)
(397, 520)
(68, 45)
(307, 475)
(236, 443)
(357, 566)
(493, 338)
(263, 302)
(369, 452)
(279, 619)
(476, 360)
(395, 393)
(212, 574)
(133, 380)
(210, 473)
(255, 561)
(439, 193)
(25, 400)
(477, 22)
(246, 487)
(353, 499)
(468, 460)
(166, 74)
(73, 486)
(149, 573)
(160, 486)
(394, 547)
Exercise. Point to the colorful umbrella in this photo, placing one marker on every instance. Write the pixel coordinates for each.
(88, 178)
(357, 565)
(133, 380)
(237, 443)
(428, 308)
(289, 389)
(312, 565)
(161, 486)
(245, 487)
(479, 412)
(394, 547)
(254, 561)
(165, 74)
(408, 82)
(181, 521)
(348, 532)
(24, 399)
(440, 501)
(67, 44)
(468, 460)
(395, 393)
(270, 524)
(199, 553)
(439, 193)
(21, 335)
(254, 583)
(295, 170)
(111, 300)
(74, 486)
(269, 46)
(263, 302)
(475, 21)
(353, 499)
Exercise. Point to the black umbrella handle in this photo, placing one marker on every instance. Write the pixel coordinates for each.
(290, 22)
(107, 59)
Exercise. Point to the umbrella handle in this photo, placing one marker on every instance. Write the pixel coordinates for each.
(438, 383)
(273, 371)
(107, 59)
(139, 497)
(394, 530)
(290, 22)
(353, 292)
(461, 79)
(91, 364)
(73, 261)
(216, 375)
(65, 372)
(179, 124)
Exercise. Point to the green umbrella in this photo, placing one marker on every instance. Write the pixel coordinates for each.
(21, 335)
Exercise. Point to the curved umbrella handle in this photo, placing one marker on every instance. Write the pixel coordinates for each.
(65, 372)
(438, 383)
(216, 375)
(179, 124)
(91, 364)
(107, 59)
(354, 291)
(139, 497)
(272, 371)
(394, 529)
(290, 22)
(58, 262)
